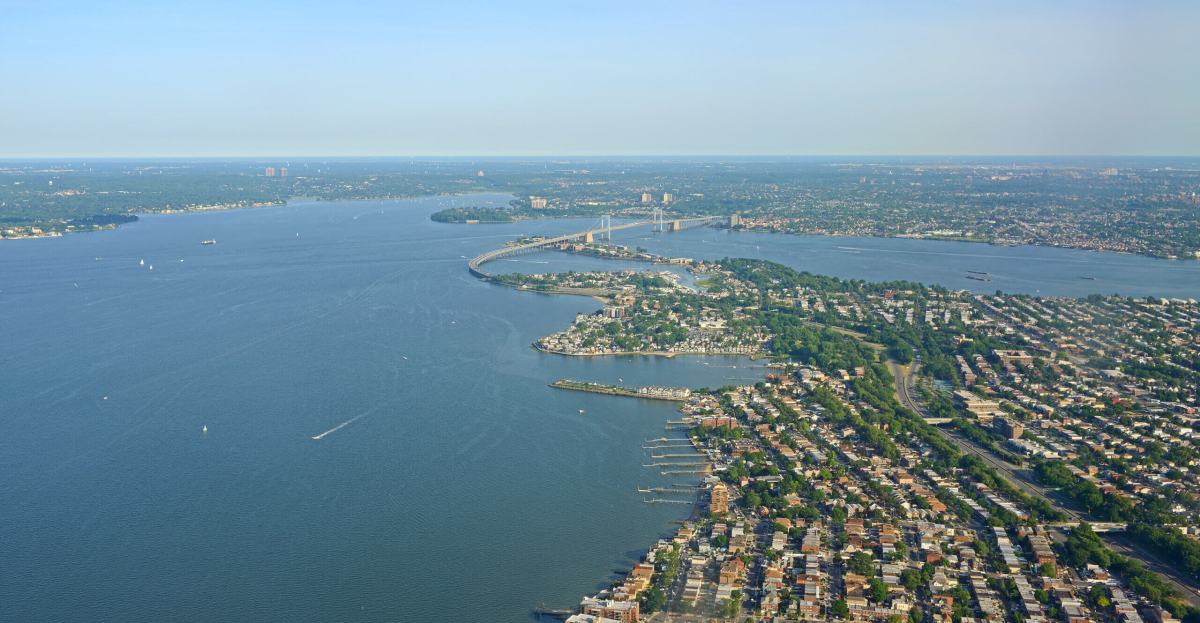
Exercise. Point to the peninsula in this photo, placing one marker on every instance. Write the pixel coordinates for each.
(916, 453)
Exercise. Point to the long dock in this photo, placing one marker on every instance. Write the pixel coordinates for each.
(672, 394)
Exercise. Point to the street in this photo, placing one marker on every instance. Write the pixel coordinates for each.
(1186, 587)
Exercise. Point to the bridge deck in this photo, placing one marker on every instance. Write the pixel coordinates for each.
(475, 265)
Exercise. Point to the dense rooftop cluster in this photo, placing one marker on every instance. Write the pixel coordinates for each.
(1096, 208)
(1146, 206)
(1035, 428)
(653, 314)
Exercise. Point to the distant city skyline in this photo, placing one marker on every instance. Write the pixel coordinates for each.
(368, 79)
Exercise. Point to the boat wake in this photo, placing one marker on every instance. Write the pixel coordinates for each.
(339, 427)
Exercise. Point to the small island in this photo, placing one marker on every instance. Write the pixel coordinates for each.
(474, 214)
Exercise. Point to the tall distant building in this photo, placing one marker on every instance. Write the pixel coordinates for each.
(668, 198)
(538, 203)
(269, 172)
(282, 171)
(734, 220)
(718, 499)
(647, 198)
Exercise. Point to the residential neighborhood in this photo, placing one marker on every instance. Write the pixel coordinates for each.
(918, 454)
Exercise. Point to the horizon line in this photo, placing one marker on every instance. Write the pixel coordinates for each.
(4, 158)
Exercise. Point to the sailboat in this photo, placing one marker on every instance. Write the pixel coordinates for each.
(204, 429)
(141, 262)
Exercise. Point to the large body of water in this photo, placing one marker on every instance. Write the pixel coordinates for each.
(461, 487)
(1044, 271)
(465, 490)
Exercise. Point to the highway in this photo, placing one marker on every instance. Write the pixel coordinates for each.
(1123, 545)
(905, 376)
(1183, 584)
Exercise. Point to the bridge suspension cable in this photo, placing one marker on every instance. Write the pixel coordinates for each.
(475, 264)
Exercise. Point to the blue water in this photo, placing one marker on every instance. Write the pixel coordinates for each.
(466, 490)
(460, 488)
(1045, 271)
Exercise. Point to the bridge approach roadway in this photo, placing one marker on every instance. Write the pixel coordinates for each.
(475, 265)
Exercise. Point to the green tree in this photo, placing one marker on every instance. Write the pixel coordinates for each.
(732, 605)
(879, 591)
(653, 600)
(862, 563)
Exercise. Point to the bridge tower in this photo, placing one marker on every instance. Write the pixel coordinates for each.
(606, 225)
(658, 220)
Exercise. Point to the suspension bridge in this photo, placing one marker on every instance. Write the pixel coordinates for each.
(602, 230)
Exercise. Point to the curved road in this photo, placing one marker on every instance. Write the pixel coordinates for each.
(905, 376)
(1184, 585)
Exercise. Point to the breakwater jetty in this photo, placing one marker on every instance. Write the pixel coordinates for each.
(676, 394)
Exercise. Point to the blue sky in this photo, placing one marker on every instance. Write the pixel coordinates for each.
(550, 78)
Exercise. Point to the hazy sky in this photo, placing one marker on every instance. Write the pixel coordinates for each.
(448, 78)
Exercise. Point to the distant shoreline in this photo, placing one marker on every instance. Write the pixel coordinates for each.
(901, 236)
(524, 217)
(220, 207)
(991, 242)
